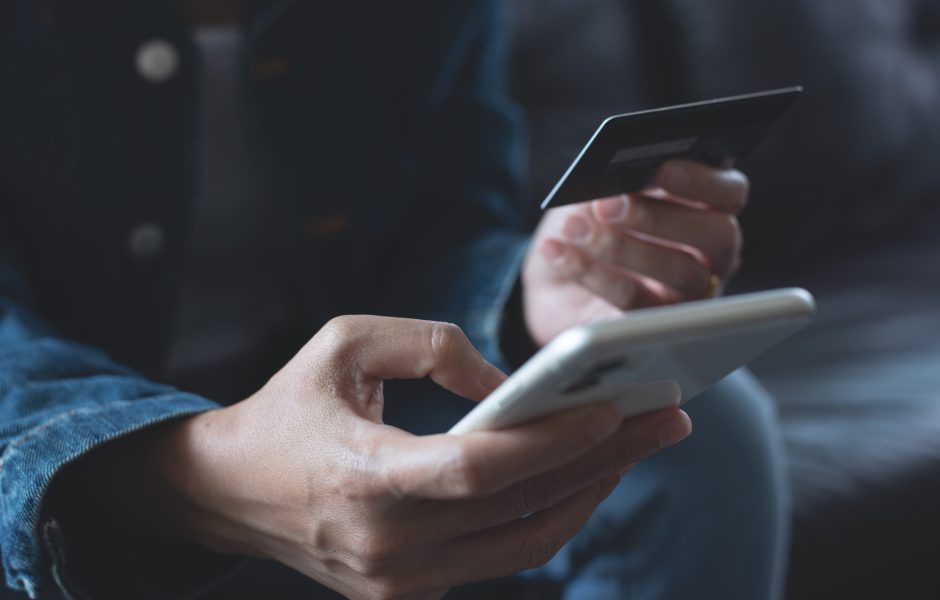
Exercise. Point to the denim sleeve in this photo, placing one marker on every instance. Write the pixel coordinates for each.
(464, 261)
(58, 401)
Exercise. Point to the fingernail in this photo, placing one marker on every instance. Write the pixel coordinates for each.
(675, 177)
(674, 431)
(553, 252)
(491, 377)
(604, 421)
(612, 209)
(577, 229)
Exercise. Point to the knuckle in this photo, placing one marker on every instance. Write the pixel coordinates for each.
(638, 214)
(446, 339)
(624, 293)
(609, 243)
(339, 335)
(464, 474)
(372, 554)
(576, 266)
(529, 497)
(692, 278)
(386, 588)
(340, 325)
(613, 281)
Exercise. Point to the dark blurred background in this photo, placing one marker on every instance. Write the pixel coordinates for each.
(846, 202)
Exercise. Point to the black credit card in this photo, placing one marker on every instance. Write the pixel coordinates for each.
(625, 152)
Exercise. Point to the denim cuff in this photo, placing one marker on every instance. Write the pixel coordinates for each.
(33, 555)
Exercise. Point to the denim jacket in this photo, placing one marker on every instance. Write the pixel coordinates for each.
(387, 136)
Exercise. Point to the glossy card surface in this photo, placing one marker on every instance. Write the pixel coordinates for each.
(626, 150)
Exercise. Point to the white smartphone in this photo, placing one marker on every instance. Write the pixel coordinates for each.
(647, 360)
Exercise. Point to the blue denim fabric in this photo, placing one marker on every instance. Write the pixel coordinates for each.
(413, 147)
(58, 401)
(707, 519)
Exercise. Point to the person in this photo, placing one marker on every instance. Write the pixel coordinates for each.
(158, 262)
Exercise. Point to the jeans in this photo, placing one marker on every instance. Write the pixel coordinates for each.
(708, 518)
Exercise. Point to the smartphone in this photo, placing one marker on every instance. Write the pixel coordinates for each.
(625, 152)
(647, 360)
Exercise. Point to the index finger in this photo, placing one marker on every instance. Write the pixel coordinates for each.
(484, 462)
(723, 190)
(391, 348)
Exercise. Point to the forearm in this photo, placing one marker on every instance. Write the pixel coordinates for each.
(194, 487)
(128, 524)
(181, 482)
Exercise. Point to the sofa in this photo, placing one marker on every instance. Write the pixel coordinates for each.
(845, 201)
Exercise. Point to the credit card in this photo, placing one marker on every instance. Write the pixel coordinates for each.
(625, 152)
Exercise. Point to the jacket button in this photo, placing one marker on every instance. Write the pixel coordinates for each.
(145, 241)
(157, 60)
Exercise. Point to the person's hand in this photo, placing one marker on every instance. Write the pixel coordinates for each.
(304, 471)
(676, 242)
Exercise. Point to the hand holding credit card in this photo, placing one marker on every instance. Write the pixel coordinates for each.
(626, 150)
(648, 238)
(647, 213)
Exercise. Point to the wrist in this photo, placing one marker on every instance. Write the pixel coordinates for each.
(193, 481)
(161, 481)
(124, 526)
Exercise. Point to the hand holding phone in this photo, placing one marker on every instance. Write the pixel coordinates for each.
(647, 360)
